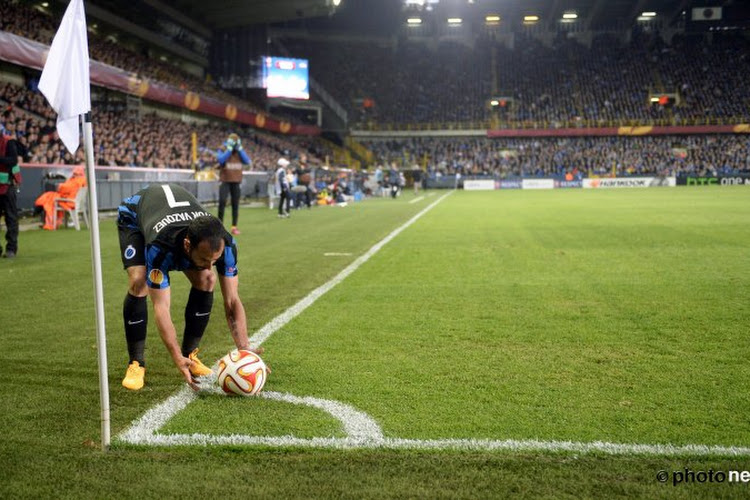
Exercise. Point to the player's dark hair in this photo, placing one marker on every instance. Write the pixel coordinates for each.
(206, 228)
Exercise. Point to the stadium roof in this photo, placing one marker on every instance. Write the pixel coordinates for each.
(219, 14)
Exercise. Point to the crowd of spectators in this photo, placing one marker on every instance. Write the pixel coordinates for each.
(576, 156)
(158, 142)
(564, 84)
(447, 82)
(24, 20)
(146, 141)
(408, 84)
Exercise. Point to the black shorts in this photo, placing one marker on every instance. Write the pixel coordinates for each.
(132, 241)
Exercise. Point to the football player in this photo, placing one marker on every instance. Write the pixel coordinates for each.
(163, 228)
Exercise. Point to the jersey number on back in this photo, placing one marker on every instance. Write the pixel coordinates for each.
(170, 198)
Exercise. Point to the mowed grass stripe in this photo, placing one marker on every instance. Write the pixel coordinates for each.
(585, 316)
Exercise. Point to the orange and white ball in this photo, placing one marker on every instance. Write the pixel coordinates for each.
(242, 373)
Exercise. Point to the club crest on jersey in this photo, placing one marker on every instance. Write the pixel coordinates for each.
(130, 252)
(156, 276)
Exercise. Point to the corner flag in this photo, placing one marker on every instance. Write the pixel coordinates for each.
(65, 78)
(66, 84)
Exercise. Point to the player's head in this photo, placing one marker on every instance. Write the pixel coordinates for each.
(233, 137)
(204, 243)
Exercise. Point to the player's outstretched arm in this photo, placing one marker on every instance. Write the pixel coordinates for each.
(161, 298)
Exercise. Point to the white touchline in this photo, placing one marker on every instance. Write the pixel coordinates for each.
(362, 431)
(337, 254)
(416, 200)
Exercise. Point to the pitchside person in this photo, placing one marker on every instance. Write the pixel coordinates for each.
(231, 163)
(163, 228)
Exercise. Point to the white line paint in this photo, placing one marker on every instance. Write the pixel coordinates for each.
(337, 254)
(415, 200)
(143, 429)
(364, 433)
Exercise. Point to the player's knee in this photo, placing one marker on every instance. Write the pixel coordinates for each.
(205, 281)
(137, 281)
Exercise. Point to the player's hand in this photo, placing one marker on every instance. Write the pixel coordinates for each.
(230, 144)
(184, 364)
(238, 146)
(260, 350)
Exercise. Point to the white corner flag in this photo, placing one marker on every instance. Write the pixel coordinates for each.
(65, 78)
(66, 84)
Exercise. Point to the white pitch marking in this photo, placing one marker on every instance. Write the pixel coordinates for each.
(415, 200)
(364, 433)
(337, 254)
(359, 426)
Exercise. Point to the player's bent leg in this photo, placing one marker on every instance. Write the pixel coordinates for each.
(135, 321)
(197, 314)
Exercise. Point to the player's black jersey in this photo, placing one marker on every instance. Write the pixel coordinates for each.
(162, 214)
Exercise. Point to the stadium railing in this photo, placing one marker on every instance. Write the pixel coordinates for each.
(113, 184)
(533, 124)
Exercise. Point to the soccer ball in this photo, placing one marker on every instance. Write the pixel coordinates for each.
(242, 373)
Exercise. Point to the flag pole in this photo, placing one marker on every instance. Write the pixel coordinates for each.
(66, 84)
(96, 260)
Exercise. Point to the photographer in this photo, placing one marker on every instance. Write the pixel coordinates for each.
(232, 159)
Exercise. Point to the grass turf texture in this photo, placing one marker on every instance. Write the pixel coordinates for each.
(582, 315)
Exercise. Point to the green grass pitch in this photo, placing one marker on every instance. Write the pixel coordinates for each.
(618, 316)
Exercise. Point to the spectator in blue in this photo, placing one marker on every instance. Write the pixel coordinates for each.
(232, 159)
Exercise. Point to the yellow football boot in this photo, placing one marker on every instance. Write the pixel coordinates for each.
(134, 376)
(198, 369)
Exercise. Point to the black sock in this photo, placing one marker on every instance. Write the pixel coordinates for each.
(135, 317)
(197, 314)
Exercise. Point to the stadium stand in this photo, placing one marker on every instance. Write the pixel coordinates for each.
(577, 156)
(401, 83)
(415, 85)
(148, 142)
(24, 20)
